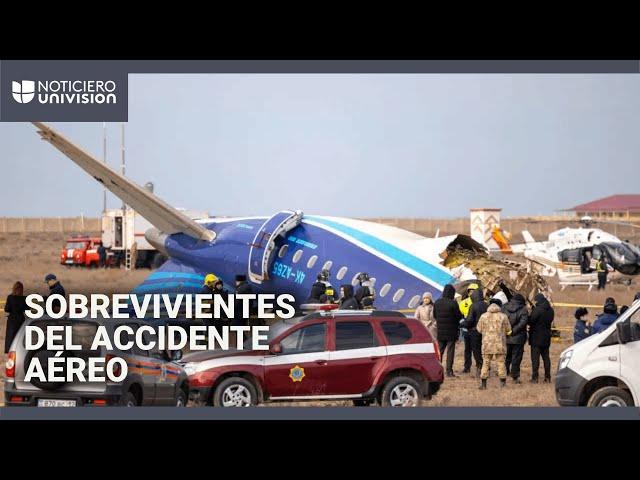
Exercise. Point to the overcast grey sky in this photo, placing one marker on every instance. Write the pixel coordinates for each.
(348, 145)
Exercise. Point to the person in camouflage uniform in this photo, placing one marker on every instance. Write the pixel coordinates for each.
(494, 327)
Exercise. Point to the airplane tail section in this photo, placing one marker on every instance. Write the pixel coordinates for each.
(528, 238)
(159, 213)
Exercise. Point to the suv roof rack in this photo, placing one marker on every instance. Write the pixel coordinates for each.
(355, 313)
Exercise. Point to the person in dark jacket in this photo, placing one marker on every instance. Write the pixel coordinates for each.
(540, 322)
(365, 294)
(582, 328)
(585, 264)
(347, 299)
(15, 306)
(318, 289)
(102, 255)
(218, 289)
(603, 321)
(465, 306)
(55, 288)
(478, 307)
(447, 314)
(516, 311)
(242, 287)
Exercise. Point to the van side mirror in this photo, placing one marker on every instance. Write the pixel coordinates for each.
(275, 349)
(624, 332)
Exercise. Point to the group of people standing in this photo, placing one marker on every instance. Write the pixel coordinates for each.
(584, 328)
(493, 331)
(349, 298)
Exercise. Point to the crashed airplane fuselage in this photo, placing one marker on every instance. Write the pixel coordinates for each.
(284, 253)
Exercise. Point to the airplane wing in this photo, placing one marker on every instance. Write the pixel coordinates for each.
(159, 213)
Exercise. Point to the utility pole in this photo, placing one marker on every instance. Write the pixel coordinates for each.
(126, 225)
(122, 166)
(104, 160)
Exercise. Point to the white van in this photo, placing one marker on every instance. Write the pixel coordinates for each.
(603, 370)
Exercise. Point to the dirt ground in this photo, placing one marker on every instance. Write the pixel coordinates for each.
(29, 258)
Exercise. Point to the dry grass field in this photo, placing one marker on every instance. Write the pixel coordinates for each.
(29, 257)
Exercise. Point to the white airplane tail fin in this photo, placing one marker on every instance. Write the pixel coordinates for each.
(528, 238)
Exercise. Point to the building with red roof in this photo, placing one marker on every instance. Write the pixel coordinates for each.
(621, 207)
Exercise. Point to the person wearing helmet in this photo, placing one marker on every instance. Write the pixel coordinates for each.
(330, 293)
(465, 304)
(365, 295)
(324, 275)
(207, 289)
(465, 307)
(318, 290)
(209, 281)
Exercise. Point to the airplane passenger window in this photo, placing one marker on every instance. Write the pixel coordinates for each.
(297, 256)
(327, 265)
(385, 289)
(341, 273)
(413, 303)
(312, 261)
(354, 280)
(283, 250)
(398, 295)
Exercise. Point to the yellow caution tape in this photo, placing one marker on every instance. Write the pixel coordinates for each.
(576, 305)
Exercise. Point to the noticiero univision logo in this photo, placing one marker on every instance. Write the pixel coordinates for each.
(24, 91)
(65, 91)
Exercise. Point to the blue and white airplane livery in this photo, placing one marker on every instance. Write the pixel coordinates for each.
(282, 253)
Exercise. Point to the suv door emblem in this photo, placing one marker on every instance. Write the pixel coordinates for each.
(296, 374)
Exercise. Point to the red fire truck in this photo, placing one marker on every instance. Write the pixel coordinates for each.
(81, 251)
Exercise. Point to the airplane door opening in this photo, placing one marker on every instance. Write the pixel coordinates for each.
(117, 237)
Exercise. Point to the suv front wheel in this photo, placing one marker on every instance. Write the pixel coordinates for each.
(235, 392)
(401, 392)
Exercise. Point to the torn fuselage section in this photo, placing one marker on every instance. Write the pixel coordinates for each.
(468, 261)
